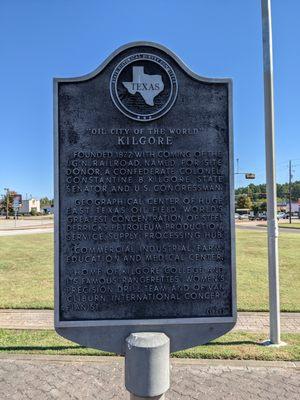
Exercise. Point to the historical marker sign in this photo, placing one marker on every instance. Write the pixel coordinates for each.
(144, 193)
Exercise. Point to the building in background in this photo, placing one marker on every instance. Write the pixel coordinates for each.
(284, 206)
(30, 206)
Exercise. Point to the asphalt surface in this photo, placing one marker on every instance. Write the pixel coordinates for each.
(28, 231)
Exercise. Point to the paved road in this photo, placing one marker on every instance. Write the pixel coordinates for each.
(27, 226)
(43, 319)
(49, 228)
(25, 231)
(31, 231)
(25, 222)
(101, 378)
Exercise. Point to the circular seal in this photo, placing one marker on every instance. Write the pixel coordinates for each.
(143, 86)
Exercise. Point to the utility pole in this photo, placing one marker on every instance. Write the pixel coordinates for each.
(237, 171)
(7, 201)
(270, 175)
(290, 191)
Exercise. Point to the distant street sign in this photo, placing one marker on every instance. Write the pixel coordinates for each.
(250, 176)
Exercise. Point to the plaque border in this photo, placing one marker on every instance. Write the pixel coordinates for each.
(73, 329)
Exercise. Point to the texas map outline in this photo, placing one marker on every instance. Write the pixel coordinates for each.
(149, 86)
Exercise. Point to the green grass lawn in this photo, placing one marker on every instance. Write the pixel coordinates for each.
(237, 345)
(252, 271)
(26, 271)
(293, 225)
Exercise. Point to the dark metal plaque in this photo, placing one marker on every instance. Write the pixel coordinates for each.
(144, 193)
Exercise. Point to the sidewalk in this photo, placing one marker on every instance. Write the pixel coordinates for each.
(247, 321)
(102, 378)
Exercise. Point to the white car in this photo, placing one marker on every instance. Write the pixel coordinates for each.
(244, 216)
(282, 215)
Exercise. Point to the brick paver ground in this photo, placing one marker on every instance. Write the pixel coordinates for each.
(101, 378)
(247, 321)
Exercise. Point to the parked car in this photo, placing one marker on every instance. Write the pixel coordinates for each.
(262, 216)
(236, 216)
(282, 215)
(244, 216)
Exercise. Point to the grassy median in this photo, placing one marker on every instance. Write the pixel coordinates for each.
(237, 345)
(26, 271)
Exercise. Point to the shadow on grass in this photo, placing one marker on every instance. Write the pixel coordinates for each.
(57, 348)
(13, 348)
(234, 343)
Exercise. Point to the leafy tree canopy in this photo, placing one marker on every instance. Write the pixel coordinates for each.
(8, 198)
(44, 201)
(257, 192)
(244, 201)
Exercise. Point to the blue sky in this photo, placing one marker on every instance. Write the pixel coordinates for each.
(40, 40)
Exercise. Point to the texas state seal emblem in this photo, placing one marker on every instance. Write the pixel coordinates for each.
(143, 86)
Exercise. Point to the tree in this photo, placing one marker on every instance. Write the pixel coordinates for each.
(256, 208)
(263, 206)
(259, 191)
(244, 201)
(44, 201)
(8, 197)
(296, 191)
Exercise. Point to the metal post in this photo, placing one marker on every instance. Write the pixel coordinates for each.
(270, 175)
(147, 365)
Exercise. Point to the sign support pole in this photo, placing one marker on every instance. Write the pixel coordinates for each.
(274, 304)
(147, 365)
